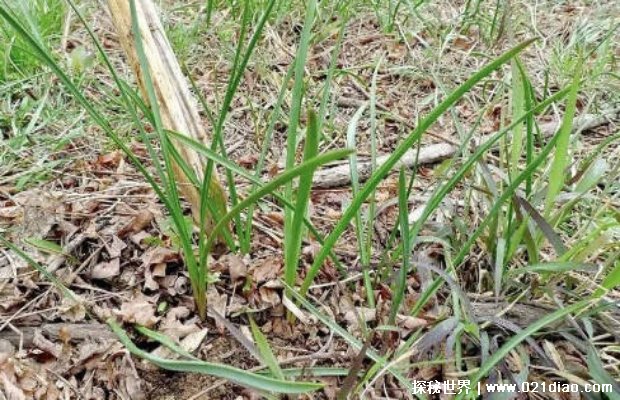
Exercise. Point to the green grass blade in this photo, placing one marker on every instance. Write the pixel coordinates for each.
(544, 226)
(273, 118)
(165, 341)
(278, 181)
(196, 272)
(304, 190)
(560, 161)
(268, 358)
(518, 109)
(400, 285)
(611, 281)
(529, 100)
(239, 67)
(42, 54)
(597, 371)
(510, 190)
(42, 270)
(359, 221)
(205, 151)
(372, 202)
(551, 267)
(239, 376)
(293, 124)
(385, 168)
(333, 63)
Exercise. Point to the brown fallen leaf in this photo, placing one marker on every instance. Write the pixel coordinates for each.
(139, 311)
(159, 255)
(248, 161)
(410, 323)
(268, 269)
(7, 350)
(46, 345)
(462, 43)
(11, 212)
(173, 326)
(108, 161)
(269, 297)
(155, 261)
(218, 302)
(71, 310)
(237, 267)
(364, 313)
(139, 222)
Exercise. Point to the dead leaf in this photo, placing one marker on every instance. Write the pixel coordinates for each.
(159, 270)
(462, 43)
(273, 284)
(108, 161)
(217, 302)
(159, 255)
(130, 381)
(248, 161)
(6, 350)
(410, 323)
(173, 326)
(267, 270)
(269, 297)
(193, 340)
(41, 210)
(237, 267)
(553, 354)
(11, 212)
(71, 310)
(139, 311)
(116, 247)
(275, 217)
(364, 314)
(139, 222)
(155, 265)
(106, 270)
(181, 286)
(44, 344)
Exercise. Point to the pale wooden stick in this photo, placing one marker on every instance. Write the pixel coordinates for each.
(177, 106)
(341, 174)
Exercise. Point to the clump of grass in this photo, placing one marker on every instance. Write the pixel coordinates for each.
(523, 209)
(164, 185)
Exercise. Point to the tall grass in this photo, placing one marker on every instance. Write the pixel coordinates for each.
(293, 231)
(164, 183)
(512, 223)
(380, 173)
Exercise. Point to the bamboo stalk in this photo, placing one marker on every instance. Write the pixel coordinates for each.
(177, 106)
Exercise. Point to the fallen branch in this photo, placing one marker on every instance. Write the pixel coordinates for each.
(341, 174)
(58, 331)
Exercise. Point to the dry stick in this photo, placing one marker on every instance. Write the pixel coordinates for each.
(178, 108)
(55, 331)
(341, 175)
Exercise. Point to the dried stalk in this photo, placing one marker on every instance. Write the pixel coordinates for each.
(177, 106)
